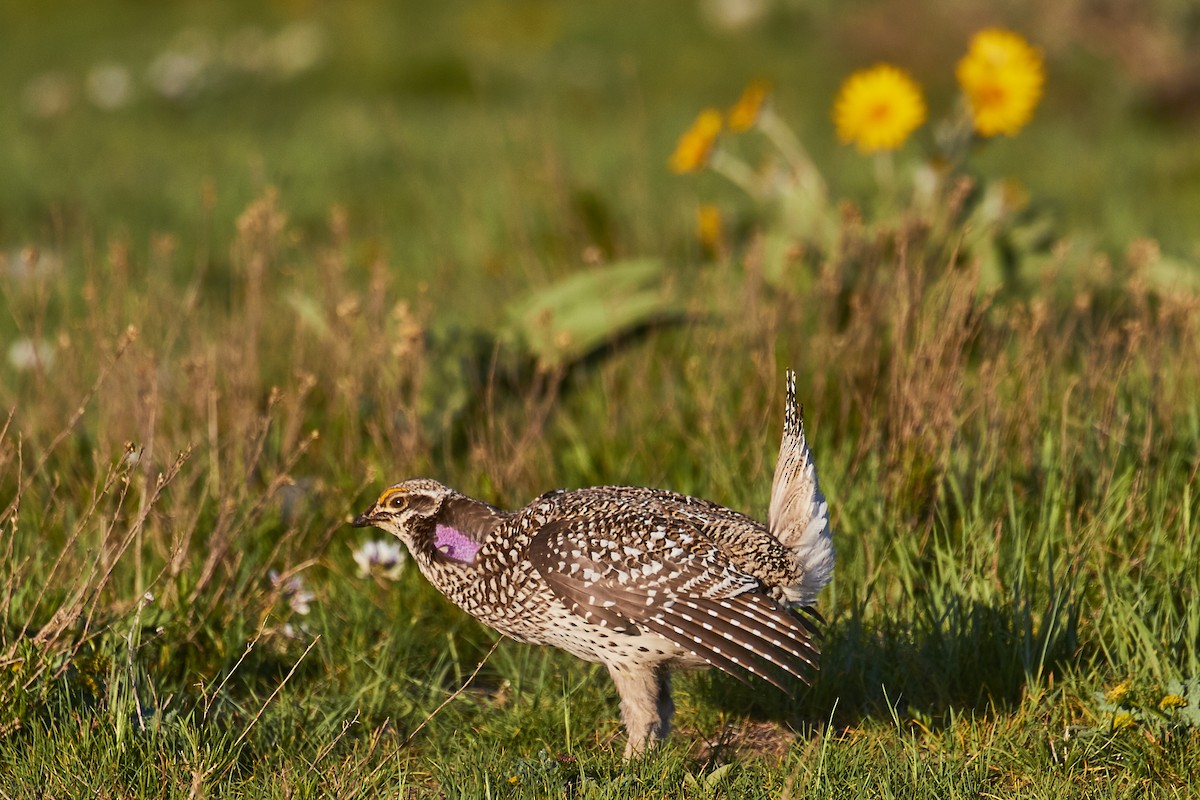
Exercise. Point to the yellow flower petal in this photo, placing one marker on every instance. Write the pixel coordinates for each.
(878, 109)
(1001, 76)
(1122, 721)
(1171, 701)
(1118, 693)
(745, 111)
(695, 145)
(709, 228)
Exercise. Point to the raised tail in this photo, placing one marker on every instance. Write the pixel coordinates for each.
(799, 516)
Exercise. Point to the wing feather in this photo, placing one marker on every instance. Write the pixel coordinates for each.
(671, 580)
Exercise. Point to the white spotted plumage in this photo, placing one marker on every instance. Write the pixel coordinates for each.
(641, 580)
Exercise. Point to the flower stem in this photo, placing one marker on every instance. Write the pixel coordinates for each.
(736, 171)
(788, 144)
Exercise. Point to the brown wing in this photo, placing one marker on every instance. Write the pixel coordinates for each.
(661, 575)
(745, 542)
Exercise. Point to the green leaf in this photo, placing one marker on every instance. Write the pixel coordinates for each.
(568, 320)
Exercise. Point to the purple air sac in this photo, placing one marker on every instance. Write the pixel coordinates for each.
(454, 544)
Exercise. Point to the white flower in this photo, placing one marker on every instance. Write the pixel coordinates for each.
(297, 48)
(109, 86)
(176, 75)
(27, 354)
(293, 591)
(734, 15)
(297, 633)
(31, 263)
(383, 558)
(184, 70)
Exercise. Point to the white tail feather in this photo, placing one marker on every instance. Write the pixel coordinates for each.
(799, 516)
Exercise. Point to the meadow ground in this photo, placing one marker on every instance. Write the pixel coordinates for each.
(257, 263)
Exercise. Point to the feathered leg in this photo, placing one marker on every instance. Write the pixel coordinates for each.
(646, 705)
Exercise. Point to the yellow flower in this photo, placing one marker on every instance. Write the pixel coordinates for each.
(1001, 76)
(1171, 701)
(746, 110)
(708, 228)
(695, 145)
(1122, 721)
(878, 108)
(1118, 693)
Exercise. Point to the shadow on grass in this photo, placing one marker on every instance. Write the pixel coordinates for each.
(968, 656)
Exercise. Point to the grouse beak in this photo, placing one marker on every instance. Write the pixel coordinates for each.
(365, 519)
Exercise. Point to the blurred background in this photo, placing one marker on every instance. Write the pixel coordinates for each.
(520, 136)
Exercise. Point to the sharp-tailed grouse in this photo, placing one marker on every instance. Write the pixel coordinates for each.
(640, 580)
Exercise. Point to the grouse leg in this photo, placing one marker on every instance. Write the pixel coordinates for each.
(646, 704)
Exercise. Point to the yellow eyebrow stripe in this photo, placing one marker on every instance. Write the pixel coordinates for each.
(389, 493)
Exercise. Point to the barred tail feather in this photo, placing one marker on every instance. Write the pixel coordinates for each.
(799, 516)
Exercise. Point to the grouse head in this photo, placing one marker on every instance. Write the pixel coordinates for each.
(435, 522)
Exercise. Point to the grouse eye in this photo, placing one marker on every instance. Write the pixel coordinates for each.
(397, 502)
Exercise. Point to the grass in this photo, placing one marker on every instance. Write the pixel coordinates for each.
(241, 352)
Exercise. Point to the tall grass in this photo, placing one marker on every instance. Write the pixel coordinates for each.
(1013, 480)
